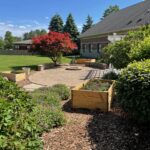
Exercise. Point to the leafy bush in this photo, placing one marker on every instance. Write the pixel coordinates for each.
(133, 90)
(110, 76)
(18, 129)
(47, 118)
(62, 90)
(141, 50)
(135, 46)
(117, 54)
(47, 113)
(46, 96)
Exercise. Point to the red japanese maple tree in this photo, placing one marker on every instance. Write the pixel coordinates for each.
(54, 44)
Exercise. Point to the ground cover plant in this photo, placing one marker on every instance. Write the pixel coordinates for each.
(16, 62)
(133, 90)
(96, 85)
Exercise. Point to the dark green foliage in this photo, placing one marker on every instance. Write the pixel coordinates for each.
(96, 85)
(110, 76)
(18, 129)
(141, 50)
(62, 90)
(1, 44)
(8, 40)
(133, 90)
(88, 25)
(117, 54)
(71, 28)
(56, 24)
(110, 10)
(35, 33)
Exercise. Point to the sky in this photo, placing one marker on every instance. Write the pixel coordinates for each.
(19, 16)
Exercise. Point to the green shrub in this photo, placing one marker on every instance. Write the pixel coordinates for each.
(62, 90)
(18, 130)
(110, 76)
(46, 96)
(48, 118)
(141, 50)
(133, 90)
(117, 54)
(47, 113)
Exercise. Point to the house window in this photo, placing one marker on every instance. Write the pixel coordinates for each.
(94, 46)
(90, 48)
(28, 47)
(99, 46)
(83, 48)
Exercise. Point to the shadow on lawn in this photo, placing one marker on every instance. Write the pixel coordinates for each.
(112, 131)
(33, 67)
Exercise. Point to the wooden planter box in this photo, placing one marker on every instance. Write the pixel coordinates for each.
(92, 99)
(16, 77)
(84, 61)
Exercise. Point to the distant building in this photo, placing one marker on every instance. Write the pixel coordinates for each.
(113, 28)
(23, 45)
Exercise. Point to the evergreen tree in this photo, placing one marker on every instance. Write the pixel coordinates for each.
(9, 39)
(71, 28)
(56, 24)
(111, 9)
(88, 25)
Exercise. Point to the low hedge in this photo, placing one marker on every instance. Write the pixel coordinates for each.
(133, 90)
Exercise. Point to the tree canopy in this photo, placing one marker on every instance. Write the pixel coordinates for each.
(35, 33)
(88, 24)
(110, 10)
(56, 24)
(54, 44)
(9, 39)
(71, 28)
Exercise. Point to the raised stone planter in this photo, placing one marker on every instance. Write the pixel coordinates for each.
(14, 76)
(40, 67)
(92, 99)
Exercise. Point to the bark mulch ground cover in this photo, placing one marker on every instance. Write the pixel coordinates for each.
(93, 130)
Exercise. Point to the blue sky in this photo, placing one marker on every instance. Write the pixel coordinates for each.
(21, 16)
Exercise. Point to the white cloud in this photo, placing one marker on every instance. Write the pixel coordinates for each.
(19, 30)
(10, 25)
(22, 27)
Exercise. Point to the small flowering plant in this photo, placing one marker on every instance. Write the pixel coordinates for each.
(54, 44)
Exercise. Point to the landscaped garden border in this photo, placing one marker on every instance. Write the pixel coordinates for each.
(92, 99)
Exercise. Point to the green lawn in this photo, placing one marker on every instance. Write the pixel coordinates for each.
(15, 62)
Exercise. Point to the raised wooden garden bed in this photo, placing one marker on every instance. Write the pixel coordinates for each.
(84, 61)
(92, 99)
(14, 76)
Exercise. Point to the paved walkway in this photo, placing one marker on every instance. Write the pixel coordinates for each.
(61, 76)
